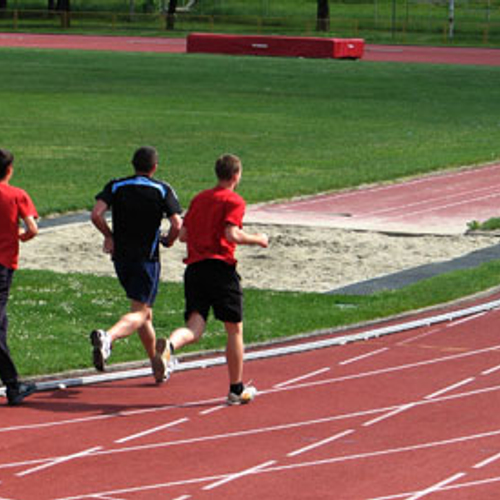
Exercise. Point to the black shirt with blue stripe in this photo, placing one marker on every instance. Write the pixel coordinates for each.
(138, 204)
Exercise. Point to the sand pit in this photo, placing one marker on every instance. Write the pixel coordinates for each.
(305, 259)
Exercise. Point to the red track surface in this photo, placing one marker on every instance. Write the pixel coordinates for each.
(82, 42)
(441, 55)
(441, 204)
(412, 415)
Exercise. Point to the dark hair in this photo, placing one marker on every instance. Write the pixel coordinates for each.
(6, 160)
(227, 166)
(144, 159)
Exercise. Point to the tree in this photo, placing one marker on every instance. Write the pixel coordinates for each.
(172, 7)
(323, 17)
(63, 5)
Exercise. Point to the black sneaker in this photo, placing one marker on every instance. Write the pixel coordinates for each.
(15, 395)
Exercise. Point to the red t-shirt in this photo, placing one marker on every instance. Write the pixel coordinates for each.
(15, 204)
(206, 220)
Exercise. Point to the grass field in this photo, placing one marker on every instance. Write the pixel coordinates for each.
(300, 126)
(73, 120)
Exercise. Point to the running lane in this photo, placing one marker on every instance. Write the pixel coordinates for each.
(87, 42)
(436, 55)
(442, 204)
(406, 416)
(393, 53)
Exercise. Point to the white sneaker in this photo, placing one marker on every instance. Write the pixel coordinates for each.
(248, 394)
(163, 364)
(101, 341)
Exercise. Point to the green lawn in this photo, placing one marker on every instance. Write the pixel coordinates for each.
(300, 125)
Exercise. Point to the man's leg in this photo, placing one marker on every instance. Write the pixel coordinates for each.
(239, 393)
(162, 363)
(138, 317)
(134, 320)
(192, 332)
(147, 335)
(16, 391)
(235, 351)
(8, 372)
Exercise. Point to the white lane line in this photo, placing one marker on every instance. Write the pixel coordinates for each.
(465, 320)
(450, 387)
(320, 443)
(238, 475)
(369, 191)
(437, 208)
(491, 370)
(486, 461)
(151, 431)
(312, 384)
(106, 497)
(363, 356)
(418, 337)
(383, 371)
(303, 377)
(301, 465)
(183, 497)
(437, 486)
(425, 202)
(122, 414)
(264, 430)
(212, 410)
(397, 411)
(468, 484)
(59, 460)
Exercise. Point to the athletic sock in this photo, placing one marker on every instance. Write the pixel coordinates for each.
(236, 388)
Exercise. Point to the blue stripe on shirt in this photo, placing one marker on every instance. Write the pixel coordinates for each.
(140, 181)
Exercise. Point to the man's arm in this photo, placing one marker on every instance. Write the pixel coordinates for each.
(98, 218)
(175, 228)
(30, 229)
(183, 234)
(236, 235)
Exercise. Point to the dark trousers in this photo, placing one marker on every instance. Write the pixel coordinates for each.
(8, 372)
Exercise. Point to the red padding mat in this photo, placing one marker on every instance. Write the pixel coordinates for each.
(283, 46)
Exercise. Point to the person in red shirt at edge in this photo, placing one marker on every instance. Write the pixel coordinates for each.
(15, 206)
(212, 229)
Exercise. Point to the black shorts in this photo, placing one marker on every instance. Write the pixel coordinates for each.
(213, 284)
(139, 279)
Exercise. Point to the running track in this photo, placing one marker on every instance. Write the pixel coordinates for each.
(405, 416)
(435, 204)
(440, 55)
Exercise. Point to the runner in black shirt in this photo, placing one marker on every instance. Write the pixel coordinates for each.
(138, 204)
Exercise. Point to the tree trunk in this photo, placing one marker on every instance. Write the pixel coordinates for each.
(51, 4)
(63, 5)
(323, 17)
(172, 7)
(3, 4)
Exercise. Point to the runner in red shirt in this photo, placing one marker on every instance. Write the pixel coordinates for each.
(15, 206)
(212, 229)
